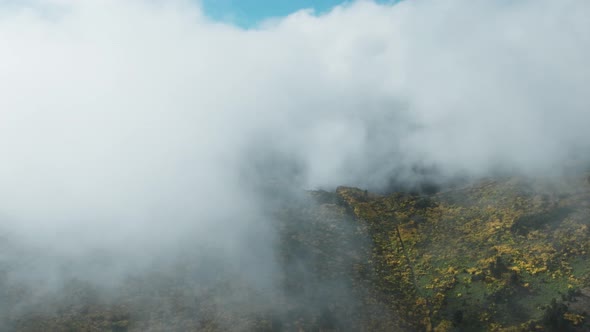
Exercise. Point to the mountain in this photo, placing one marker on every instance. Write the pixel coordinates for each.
(508, 254)
(499, 254)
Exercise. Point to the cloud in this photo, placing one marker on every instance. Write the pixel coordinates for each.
(141, 126)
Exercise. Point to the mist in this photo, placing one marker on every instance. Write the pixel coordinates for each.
(140, 130)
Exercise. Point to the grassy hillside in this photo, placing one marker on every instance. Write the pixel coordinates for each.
(498, 255)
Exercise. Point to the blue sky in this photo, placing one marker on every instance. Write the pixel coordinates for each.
(247, 13)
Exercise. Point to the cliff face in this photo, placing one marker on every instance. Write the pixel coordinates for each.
(502, 254)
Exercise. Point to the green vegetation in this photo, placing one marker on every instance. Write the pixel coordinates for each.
(499, 255)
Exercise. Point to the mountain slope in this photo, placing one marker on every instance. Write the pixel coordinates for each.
(499, 255)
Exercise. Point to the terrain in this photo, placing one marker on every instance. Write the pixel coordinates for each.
(498, 254)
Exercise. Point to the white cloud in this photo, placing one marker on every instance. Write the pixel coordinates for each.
(125, 123)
